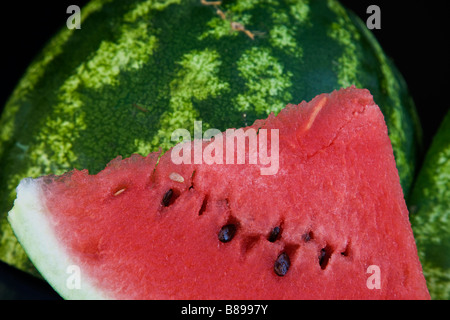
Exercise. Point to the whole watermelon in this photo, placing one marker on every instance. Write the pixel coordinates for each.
(138, 70)
(430, 213)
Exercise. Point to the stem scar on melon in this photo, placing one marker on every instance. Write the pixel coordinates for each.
(240, 27)
(221, 14)
(236, 26)
(211, 3)
(139, 107)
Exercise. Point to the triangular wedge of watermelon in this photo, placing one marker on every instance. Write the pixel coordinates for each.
(327, 221)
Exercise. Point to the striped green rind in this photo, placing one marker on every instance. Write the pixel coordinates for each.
(138, 70)
(430, 213)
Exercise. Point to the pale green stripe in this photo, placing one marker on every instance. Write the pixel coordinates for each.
(197, 78)
(267, 84)
(144, 8)
(35, 72)
(54, 143)
(346, 34)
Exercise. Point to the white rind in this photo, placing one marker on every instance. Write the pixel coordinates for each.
(32, 227)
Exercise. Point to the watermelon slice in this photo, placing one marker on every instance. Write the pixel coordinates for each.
(315, 212)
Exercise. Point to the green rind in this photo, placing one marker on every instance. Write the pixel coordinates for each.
(430, 213)
(157, 66)
(35, 232)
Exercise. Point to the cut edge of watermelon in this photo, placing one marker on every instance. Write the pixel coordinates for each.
(33, 229)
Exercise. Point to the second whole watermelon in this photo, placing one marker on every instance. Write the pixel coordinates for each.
(138, 70)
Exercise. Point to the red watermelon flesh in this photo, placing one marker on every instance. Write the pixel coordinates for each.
(331, 223)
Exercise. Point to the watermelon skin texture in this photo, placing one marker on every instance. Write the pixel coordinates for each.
(336, 198)
(430, 213)
(122, 87)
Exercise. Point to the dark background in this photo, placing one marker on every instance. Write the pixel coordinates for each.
(414, 34)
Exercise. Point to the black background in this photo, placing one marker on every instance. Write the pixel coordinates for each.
(413, 33)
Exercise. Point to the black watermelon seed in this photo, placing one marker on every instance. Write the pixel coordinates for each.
(166, 199)
(227, 233)
(203, 207)
(282, 264)
(324, 256)
(273, 236)
(308, 236)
